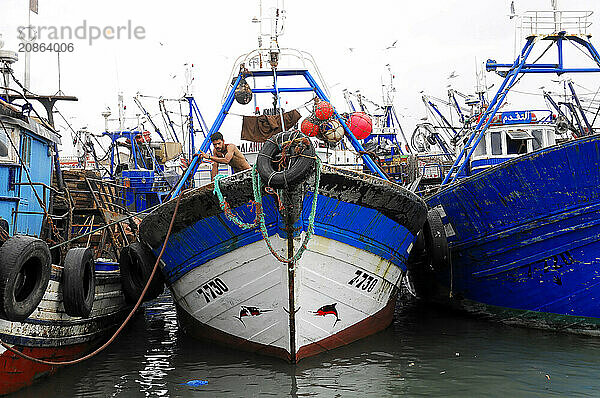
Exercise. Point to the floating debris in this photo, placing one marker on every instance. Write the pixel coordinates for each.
(195, 383)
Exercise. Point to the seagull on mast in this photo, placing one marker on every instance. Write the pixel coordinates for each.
(512, 10)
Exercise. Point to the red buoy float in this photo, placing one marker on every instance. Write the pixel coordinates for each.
(360, 125)
(309, 127)
(323, 110)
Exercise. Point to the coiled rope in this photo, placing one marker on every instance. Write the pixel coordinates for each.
(260, 216)
(114, 336)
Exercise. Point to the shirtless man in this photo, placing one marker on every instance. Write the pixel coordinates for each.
(225, 154)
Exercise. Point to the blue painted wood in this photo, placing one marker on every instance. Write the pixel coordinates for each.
(37, 157)
(528, 232)
(357, 226)
(34, 150)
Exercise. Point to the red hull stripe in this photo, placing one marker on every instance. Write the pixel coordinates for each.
(17, 372)
(368, 326)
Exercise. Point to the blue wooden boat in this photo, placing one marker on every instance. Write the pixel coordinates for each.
(514, 231)
(61, 285)
(348, 256)
(320, 265)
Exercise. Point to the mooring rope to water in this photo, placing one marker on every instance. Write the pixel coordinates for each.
(131, 313)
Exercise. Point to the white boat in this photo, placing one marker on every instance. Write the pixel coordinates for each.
(322, 268)
(230, 288)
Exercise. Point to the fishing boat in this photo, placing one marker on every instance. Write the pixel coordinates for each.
(62, 288)
(387, 141)
(291, 257)
(513, 232)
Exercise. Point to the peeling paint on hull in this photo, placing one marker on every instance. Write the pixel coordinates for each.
(50, 334)
(527, 238)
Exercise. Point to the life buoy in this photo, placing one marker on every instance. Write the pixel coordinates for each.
(24, 275)
(297, 150)
(79, 282)
(436, 243)
(136, 263)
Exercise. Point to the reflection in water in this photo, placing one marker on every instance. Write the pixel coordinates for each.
(161, 318)
(426, 352)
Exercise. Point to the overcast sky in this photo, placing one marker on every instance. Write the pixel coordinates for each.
(434, 39)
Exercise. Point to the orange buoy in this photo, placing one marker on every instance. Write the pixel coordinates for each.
(360, 125)
(309, 127)
(323, 110)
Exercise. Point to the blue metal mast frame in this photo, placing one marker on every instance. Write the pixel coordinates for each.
(312, 87)
(194, 111)
(510, 78)
(445, 121)
(452, 97)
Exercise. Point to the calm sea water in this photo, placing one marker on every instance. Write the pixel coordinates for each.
(426, 352)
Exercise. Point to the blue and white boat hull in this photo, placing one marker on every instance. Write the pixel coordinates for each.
(230, 288)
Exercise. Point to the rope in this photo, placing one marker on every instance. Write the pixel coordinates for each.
(227, 209)
(114, 336)
(311, 218)
(259, 220)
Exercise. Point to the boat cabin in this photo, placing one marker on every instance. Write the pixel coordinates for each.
(513, 134)
(24, 141)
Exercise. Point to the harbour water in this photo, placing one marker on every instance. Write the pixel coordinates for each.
(426, 352)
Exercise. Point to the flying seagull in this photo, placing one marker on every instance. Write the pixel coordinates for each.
(392, 46)
(452, 75)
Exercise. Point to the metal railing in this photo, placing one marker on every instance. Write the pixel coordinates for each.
(549, 22)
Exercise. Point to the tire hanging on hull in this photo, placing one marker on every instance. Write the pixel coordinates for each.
(136, 263)
(24, 275)
(79, 282)
(436, 243)
(294, 147)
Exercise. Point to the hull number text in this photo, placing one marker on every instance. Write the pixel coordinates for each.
(213, 289)
(363, 281)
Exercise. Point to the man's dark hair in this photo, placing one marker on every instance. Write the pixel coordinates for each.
(216, 136)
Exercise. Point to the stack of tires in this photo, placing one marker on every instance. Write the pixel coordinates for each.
(26, 265)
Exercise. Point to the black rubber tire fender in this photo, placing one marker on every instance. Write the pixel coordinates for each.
(79, 282)
(436, 243)
(298, 171)
(24, 275)
(136, 263)
(4, 233)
